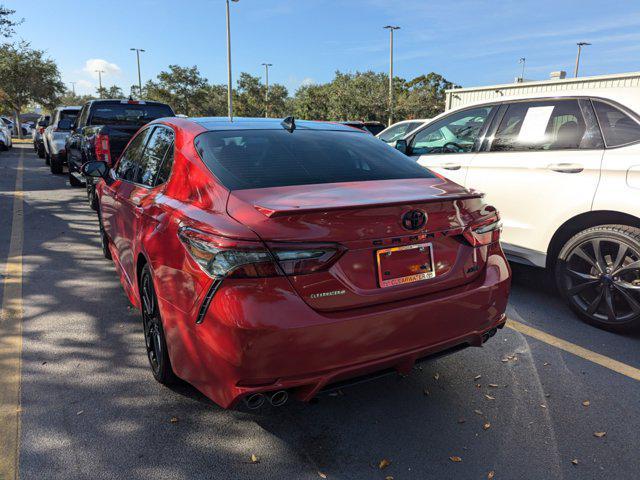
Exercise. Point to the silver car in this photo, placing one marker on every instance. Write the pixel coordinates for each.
(5, 137)
(55, 136)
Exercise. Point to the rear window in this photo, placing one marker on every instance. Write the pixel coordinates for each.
(127, 113)
(375, 129)
(244, 159)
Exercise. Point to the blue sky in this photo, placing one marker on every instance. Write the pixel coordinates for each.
(469, 42)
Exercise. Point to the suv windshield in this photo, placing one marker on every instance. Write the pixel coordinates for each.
(244, 159)
(127, 113)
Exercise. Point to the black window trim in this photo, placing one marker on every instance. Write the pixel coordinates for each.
(115, 167)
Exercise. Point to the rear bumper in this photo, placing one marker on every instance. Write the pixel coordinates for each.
(263, 337)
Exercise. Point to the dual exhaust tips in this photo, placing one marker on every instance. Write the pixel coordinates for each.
(276, 399)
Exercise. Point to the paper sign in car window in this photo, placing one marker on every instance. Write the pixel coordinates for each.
(535, 124)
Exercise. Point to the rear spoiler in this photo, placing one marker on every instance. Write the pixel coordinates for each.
(272, 212)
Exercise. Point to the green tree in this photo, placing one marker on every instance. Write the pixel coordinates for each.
(311, 102)
(250, 98)
(27, 76)
(7, 23)
(215, 103)
(69, 98)
(423, 97)
(112, 92)
(181, 87)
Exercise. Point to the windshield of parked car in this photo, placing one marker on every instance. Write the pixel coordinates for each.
(244, 159)
(396, 132)
(69, 116)
(128, 114)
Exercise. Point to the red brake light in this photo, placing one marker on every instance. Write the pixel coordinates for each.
(102, 148)
(484, 232)
(41, 130)
(221, 257)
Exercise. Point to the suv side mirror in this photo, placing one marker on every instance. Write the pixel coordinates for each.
(95, 169)
(401, 145)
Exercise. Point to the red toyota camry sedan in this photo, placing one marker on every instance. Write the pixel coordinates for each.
(275, 258)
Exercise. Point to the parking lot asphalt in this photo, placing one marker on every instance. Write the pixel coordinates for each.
(90, 408)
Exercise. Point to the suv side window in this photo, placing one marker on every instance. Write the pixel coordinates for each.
(456, 133)
(129, 163)
(545, 125)
(155, 151)
(82, 118)
(617, 127)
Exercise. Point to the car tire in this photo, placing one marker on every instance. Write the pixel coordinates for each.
(92, 197)
(154, 337)
(56, 164)
(104, 238)
(40, 151)
(73, 181)
(47, 159)
(598, 275)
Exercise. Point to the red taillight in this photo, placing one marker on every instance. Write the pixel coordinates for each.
(41, 130)
(102, 148)
(484, 232)
(221, 257)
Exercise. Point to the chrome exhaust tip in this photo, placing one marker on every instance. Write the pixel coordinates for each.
(254, 401)
(279, 398)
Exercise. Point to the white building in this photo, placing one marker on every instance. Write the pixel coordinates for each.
(624, 87)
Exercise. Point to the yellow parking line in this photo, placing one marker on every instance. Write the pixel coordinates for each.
(11, 340)
(578, 351)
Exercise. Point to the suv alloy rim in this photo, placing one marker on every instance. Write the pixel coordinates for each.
(602, 278)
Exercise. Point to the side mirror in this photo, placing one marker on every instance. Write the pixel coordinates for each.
(95, 169)
(401, 145)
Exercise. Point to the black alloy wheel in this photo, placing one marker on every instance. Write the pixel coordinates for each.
(154, 337)
(104, 238)
(598, 273)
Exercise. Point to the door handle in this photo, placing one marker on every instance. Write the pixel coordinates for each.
(452, 166)
(566, 167)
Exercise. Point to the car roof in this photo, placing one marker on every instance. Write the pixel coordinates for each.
(69, 107)
(245, 123)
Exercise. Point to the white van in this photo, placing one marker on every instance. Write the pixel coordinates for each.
(564, 172)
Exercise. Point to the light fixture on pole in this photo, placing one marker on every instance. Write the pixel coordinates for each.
(266, 95)
(99, 72)
(580, 45)
(138, 50)
(391, 28)
(523, 61)
(229, 85)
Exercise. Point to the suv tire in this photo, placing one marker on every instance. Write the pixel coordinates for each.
(598, 274)
(56, 164)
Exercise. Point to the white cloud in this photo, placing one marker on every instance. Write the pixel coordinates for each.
(109, 69)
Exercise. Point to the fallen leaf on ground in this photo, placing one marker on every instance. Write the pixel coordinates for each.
(174, 420)
(477, 377)
(489, 397)
(599, 434)
(426, 392)
(80, 412)
(322, 475)
(478, 385)
(546, 364)
(455, 459)
(478, 412)
(486, 426)
(574, 461)
(388, 477)
(491, 474)
(255, 458)
(504, 360)
(543, 405)
(493, 385)
(586, 403)
(384, 463)
(436, 376)
(461, 420)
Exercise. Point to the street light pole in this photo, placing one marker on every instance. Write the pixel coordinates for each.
(523, 61)
(73, 88)
(266, 95)
(391, 28)
(580, 45)
(229, 86)
(100, 72)
(138, 50)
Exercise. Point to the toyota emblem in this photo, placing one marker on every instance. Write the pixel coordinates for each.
(414, 220)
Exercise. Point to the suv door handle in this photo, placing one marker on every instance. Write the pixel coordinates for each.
(566, 167)
(452, 166)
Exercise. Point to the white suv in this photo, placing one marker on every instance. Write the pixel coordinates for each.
(564, 172)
